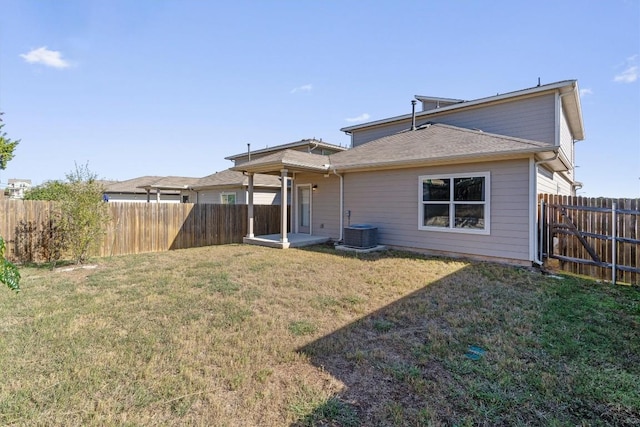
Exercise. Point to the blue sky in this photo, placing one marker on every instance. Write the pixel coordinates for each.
(171, 87)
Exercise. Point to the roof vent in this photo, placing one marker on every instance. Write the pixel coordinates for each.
(413, 114)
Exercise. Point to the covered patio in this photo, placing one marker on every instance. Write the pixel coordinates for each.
(286, 164)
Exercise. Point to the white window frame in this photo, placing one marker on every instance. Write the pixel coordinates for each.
(228, 193)
(452, 228)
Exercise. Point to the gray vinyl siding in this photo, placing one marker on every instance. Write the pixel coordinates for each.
(529, 118)
(363, 136)
(566, 143)
(142, 198)
(260, 196)
(266, 197)
(389, 200)
(325, 203)
(553, 183)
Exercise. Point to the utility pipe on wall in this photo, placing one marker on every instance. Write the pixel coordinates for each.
(534, 217)
(341, 202)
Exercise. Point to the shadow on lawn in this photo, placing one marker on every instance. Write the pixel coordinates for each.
(396, 363)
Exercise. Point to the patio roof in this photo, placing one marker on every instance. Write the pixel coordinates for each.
(287, 159)
(234, 178)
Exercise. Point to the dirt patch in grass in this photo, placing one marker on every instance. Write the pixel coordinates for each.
(241, 335)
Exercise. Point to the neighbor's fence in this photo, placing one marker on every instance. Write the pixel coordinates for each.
(597, 237)
(27, 226)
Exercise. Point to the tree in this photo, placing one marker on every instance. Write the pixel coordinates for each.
(84, 214)
(9, 274)
(49, 190)
(7, 146)
(80, 223)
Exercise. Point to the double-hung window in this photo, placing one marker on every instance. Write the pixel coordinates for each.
(454, 202)
(228, 198)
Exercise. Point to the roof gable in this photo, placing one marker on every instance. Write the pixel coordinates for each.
(568, 90)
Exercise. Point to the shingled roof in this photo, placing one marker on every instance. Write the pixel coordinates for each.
(286, 159)
(433, 143)
(133, 185)
(231, 178)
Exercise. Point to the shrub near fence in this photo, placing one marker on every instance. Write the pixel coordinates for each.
(588, 236)
(137, 227)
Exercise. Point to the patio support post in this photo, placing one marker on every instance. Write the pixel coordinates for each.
(283, 206)
(250, 207)
(158, 195)
(148, 195)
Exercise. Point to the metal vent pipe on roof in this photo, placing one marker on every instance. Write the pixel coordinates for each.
(249, 151)
(413, 114)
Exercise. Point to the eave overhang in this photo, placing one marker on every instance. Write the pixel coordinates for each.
(543, 153)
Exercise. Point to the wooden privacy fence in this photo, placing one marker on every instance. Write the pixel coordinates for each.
(596, 237)
(137, 227)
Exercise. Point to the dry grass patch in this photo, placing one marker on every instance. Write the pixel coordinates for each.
(241, 335)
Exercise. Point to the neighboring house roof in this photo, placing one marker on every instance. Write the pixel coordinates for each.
(287, 159)
(434, 143)
(303, 142)
(133, 185)
(172, 183)
(231, 178)
(105, 182)
(571, 104)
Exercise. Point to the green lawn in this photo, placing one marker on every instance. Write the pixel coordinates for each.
(240, 335)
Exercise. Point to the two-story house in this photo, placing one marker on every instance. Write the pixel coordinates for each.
(16, 187)
(456, 178)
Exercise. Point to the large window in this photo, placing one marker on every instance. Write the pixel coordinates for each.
(457, 202)
(228, 198)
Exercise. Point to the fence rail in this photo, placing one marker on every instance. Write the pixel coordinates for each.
(137, 227)
(598, 237)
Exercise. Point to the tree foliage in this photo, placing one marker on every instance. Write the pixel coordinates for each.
(7, 146)
(83, 213)
(50, 190)
(9, 274)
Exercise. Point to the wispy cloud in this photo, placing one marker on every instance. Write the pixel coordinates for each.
(585, 92)
(631, 71)
(303, 88)
(362, 117)
(44, 56)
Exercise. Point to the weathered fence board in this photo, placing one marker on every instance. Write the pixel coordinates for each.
(138, 227)
(597, 237)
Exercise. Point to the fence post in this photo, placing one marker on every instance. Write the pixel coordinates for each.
(614, 241)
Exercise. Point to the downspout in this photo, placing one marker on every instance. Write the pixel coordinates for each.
(341, 202)
(537, 242)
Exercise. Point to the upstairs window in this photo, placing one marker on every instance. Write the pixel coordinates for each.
(454, 202)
